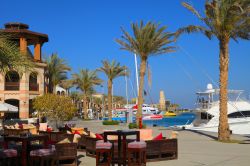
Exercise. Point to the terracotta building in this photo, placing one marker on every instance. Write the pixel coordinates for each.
(20, 88)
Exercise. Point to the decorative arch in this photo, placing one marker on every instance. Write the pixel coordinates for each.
(12, 81)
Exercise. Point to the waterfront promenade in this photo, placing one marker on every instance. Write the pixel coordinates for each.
(195, 149)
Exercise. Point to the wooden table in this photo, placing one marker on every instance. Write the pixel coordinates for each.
(25, 143)
(122, 134)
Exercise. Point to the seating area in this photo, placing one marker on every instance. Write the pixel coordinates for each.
(109, 147)
(157, 148)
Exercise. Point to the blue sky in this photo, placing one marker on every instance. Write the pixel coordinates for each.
(84, 33)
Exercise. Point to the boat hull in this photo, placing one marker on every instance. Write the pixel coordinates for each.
(237, 126)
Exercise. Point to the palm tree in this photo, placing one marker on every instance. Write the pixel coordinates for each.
(66, 84)
(112, 70)
(85, 80)
(10, 56)
(224, 19)
(56, 71)
(147, 40)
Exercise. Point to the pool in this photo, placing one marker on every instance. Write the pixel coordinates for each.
(182, 119)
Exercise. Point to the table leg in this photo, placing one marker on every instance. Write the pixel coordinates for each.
(124, 149)
(119, 150)
(24, 153)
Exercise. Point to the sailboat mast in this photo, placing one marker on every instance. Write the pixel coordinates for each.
(126, 86)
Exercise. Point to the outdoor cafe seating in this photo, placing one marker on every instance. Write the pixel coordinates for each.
(23, 147)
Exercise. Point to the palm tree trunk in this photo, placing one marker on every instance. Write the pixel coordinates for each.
(141, 87)
(110, 99)
(223, 130)
(85, 107)
(50, 86)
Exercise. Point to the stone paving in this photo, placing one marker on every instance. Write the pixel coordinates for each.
(195, 149)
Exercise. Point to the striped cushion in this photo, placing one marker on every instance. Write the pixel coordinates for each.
(42, 152)
(9, 153)
(103, 145)
(135, 144)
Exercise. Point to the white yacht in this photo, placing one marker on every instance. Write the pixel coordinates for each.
(208, 112)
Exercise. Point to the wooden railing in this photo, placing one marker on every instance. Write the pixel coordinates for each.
(12, 85)
(33, 87)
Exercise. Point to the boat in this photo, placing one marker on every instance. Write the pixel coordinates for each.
(152, 117)
(170, 113)
(146, 110)
(207, 112)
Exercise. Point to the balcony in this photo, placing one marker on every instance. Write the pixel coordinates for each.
(13, 86)
(33, 87)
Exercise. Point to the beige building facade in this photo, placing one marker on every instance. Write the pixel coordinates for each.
(18, 88)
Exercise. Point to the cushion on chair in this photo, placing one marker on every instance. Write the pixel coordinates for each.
(103, 145)
(92, 135)
(136, 144)
(66, 140)
(69, 132)
(146, 134)
(98, 136)
(9, 153)
(76, 132)
(158, 137)
(76, 138)
(42, 152)
(43, 126)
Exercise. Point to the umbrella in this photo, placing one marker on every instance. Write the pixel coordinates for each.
(7, 108)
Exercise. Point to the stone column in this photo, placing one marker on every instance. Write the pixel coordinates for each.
(23, 45)
(41, 81)
(24, 96)
(162, 101)
(2, 80)
(37, 51)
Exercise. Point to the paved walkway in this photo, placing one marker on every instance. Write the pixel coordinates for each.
(195, 149)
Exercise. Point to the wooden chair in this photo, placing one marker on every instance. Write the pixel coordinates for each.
(66, 154)
(90, 146)
(42, 156)
(103, 153)
(8, 157)
(164, 149)
(137, 153)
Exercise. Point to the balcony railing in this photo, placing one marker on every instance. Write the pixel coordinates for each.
(12, 85)
(33, 87)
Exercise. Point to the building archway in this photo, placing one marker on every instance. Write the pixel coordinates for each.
(12, 80)
(31, 109)
(13, 102)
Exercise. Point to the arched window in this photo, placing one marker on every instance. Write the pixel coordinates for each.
(33, 85)
(62, 93)
(12, 80)
(58, 93)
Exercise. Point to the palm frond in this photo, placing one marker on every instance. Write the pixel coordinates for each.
(11, 58)
(147, 39)
(85, 80)
(112, 69)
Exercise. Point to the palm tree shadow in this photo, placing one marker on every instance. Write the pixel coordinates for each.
(204, 134)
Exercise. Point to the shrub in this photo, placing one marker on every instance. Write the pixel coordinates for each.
(135, 126)
(107, 122)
